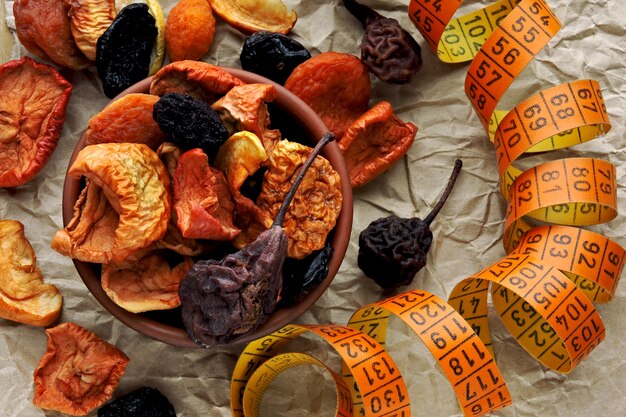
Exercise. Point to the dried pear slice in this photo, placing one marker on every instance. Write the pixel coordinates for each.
(249, 16)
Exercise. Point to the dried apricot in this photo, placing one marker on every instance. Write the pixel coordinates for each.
(78, 372)
(24, 297)
(335, 85)
(197, 79)
(88, 21)
(33, 99)
(43, 27)
(374, 142)
(145, 285)
(128, 119)
(239, 157)
(189, 30)
(203, 204)
(251, 16)
(316, 205)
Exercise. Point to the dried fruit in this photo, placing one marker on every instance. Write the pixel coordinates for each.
(190, 123)
(33, 99)
(128, 119)
(124, 50)
(43, 27)
(272, 55)
(136, 184)
(169, 154)
(90, 234)
(89, 19)
(78, 372)
(393, 249)
(142, 402)
(197, 79)
(224, 299)
(251, 16)
(189, 30)
(302, 276)
(316, 204)
(388, 51)
(244, 108)
(24, 297)
(144, 285)
(335, 85)
(239, 157)
(203, 204)
(374, 142)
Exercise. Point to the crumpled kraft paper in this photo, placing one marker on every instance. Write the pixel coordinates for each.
(467, 232)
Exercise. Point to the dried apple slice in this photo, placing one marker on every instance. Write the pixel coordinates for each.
(24, 297)
(249, 16)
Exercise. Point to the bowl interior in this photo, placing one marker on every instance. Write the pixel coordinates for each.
(166, 326)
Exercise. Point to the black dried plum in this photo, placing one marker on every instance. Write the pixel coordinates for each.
(272, 55)
(393, 249)
(123, 51)
(301, 276)
(190, 123)
(143, 402)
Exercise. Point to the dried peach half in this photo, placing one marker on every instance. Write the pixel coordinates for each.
(249, 16)
(79, 371)
(33, 100)
(128, 119)
(374, 142)
(198, 79)
(203, 204)
(43, 27)
(145, 285)
(24, 297)
(136, 184)
(88, 21)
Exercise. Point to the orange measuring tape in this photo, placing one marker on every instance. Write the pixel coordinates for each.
(543, 290)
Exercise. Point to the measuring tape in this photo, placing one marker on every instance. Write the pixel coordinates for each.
(543, 290)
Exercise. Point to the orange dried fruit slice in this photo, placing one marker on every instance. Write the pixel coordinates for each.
(128, 119)
(249, 16)
(89, 19)
(78, 372)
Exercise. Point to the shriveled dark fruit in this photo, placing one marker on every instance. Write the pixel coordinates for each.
(223, 300)
(123, 51)
(301, 276)
(388, 51)
(272, 55)
(393, 249)
(143, 402)
(190, 123)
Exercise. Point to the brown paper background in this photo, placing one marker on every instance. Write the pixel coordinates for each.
(467, 231)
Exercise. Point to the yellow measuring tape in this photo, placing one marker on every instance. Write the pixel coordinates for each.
(542, 290)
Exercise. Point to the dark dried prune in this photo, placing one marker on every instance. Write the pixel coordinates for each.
(224, 299)
(123, 51)
(301, 276)
(393, 249)
(272, 55)
(143, 402)
(388, 51)
(190, 123)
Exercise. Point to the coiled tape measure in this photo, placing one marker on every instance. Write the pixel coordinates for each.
(543, 290)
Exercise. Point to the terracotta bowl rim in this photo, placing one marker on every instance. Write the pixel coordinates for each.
(294, 107)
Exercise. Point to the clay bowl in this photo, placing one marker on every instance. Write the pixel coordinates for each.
(166, 326)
